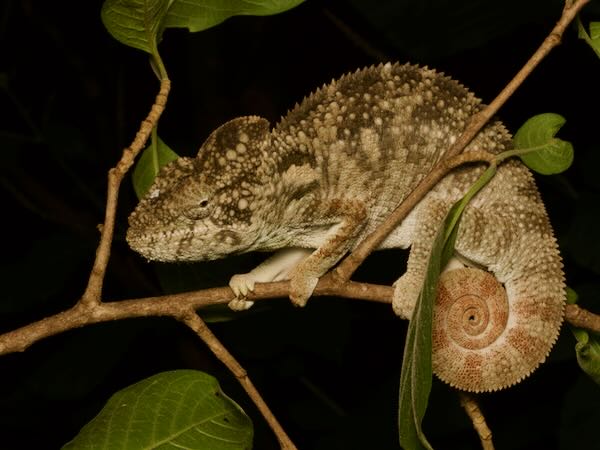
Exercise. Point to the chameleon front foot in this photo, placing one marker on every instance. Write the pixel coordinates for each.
(241, 285)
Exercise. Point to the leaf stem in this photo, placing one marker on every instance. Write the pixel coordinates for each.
(485, 177)
(523, 151)
(158, 63)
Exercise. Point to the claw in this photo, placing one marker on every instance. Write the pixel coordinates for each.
(240, 304)
(241, 285)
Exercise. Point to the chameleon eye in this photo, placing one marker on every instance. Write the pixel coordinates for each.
(199, 211)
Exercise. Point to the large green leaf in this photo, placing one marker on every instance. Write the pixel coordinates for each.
(539, 149)
(178, 409)
(415, 378)
(140, 23)
(198, 15)
(155, 156)
(137, 23)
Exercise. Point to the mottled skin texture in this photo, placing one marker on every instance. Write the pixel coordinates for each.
(331, 171)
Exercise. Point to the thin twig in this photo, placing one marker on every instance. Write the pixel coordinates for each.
(93, 291)
(472, 409)
(193, 321)
(582, 318)
(349, 265)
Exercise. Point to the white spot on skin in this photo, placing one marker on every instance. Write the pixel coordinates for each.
(369, 140)
(231, 154)
(240, 148)
(242, 204)
(244, 138)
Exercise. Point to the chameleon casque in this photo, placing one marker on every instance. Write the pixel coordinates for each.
(330, 171)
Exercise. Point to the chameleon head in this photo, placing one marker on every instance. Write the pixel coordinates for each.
(205, 208)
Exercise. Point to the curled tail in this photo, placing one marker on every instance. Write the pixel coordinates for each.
(491, 331)
(492, 327)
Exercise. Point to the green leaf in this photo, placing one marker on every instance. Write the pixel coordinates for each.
(140, 23)
(587, 347)
(136, 23)
(178, 409)
(536, 145)
(415, 377)
(572, 296)
(153, 158)
(198, 15)
(588, 352)
(593, 38)
(595, 31)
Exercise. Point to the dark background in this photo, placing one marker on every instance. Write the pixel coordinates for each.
(71, 98)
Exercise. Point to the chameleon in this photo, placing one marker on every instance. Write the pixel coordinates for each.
(334, 167)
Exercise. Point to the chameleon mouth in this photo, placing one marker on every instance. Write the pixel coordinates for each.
(185, 244)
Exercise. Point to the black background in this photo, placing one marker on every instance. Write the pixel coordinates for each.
(72, 98)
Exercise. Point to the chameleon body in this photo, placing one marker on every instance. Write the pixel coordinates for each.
(329, 173)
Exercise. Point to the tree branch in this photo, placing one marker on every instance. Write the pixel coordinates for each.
(93, 291)
(472, 409)
(177, 305)
(582, 318)
(192, 320)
